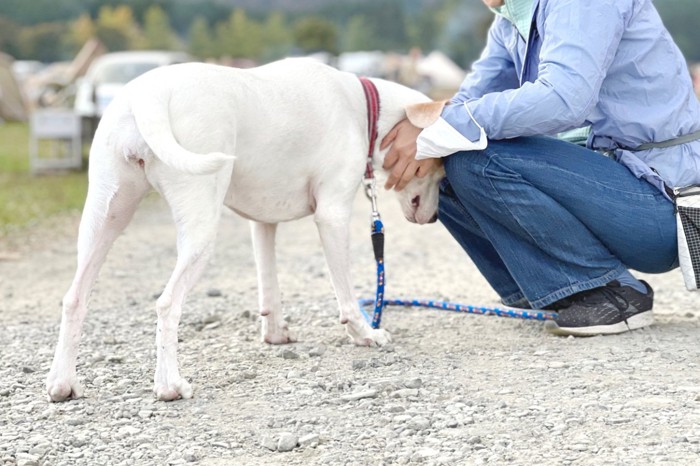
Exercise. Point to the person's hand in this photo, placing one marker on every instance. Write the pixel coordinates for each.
(401, 158)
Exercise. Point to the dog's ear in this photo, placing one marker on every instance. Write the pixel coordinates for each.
(424, 114)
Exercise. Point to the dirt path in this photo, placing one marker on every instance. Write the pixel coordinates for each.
(451, 389)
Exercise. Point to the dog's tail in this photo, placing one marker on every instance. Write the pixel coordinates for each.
(153, 122)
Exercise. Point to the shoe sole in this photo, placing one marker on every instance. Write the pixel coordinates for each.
(643, 319)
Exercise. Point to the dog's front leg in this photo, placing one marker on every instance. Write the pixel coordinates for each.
(274, 328)
(334, 232)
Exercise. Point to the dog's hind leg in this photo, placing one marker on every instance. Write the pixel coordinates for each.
(114, 193)
(196, 203)
(334, 229)
(274, 328)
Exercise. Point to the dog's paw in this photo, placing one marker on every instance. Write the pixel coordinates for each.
(58, 389)
(374, 337)
(276, 334)
(172, 391)
(279, 338)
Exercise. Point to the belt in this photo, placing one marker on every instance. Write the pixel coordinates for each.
(669, 143)
(669, 191)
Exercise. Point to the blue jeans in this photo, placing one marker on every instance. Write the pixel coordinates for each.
(544, 219)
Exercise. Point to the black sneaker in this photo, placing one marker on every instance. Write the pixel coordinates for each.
(607, 310)
(523, 303)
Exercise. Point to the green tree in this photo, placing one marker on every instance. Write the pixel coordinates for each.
(157, 32)
(43, 42)
(9, 31)
(240, 37)
(462, 30)
(81, 30)
(276, 36)
(314, 33)
(681, 19)
(359, 35)
(201, 42)
(423, 29)
(117, 29)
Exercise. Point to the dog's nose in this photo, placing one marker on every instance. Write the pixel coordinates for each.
(434, 218)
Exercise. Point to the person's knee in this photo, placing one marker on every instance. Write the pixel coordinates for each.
(464, 166)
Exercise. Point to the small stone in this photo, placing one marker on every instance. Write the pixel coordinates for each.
(419, 423)
(211, 318)
(395, 409)
(371, 393)
(75, 421)
(287, 442)
(115, 359)
(619, 420)
(288, 354)
(190, 456)
(24, 459)
(212, 326)
(129, 430)
(223, 445)
(317, 351)
(213, 293)
(79, 442)
(359, 364)
(27, 370)
(405, 393)
(414, 383)
(474, 440)
(424, 453)
(269, 443)
(310, 440)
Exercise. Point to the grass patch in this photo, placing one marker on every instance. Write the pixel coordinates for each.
(24, 198)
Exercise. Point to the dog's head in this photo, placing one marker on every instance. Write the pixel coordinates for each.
(419, 199)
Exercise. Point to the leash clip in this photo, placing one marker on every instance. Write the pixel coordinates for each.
(371, 193)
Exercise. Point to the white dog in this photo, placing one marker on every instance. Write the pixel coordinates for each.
(274, 143)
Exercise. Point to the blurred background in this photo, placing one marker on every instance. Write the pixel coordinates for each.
(61, 62)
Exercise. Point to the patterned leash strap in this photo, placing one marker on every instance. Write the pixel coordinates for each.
(454, 307)
(378, 246)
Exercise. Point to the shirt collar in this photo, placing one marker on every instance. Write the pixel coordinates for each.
(518, 12)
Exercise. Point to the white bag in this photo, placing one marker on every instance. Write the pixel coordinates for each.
(688, 227)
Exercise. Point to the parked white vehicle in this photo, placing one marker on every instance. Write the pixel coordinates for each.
(110, 72)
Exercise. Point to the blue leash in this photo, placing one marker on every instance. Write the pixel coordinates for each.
(454, 307)
(380, 303)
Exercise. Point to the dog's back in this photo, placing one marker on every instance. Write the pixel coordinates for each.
(288, 124)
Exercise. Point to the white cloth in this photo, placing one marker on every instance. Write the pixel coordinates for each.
(441, 139)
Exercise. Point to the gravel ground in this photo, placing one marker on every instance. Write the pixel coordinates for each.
(450, 389)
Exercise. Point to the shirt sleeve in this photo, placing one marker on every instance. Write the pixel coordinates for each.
(578, 46)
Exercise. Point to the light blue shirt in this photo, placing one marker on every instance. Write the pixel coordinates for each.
(610, 64)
